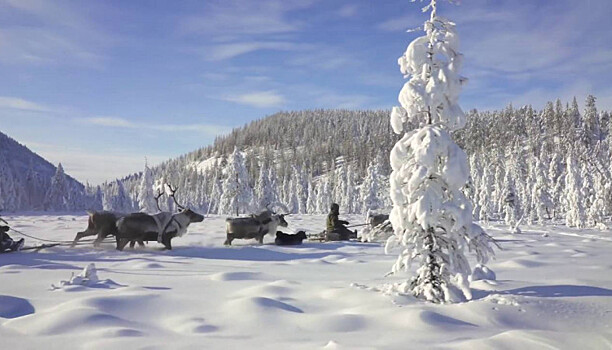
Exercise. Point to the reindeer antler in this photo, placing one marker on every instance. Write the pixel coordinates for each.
(159, 194)
(172, 192)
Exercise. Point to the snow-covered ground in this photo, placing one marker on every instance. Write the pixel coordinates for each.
(552, 292)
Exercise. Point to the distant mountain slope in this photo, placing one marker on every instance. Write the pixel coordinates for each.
(26, 177)
(526, 165)
(311, 142)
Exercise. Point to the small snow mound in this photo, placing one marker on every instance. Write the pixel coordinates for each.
(502, 300)
(482, 272)
(87, 278)
(331, 345)
(601, 226)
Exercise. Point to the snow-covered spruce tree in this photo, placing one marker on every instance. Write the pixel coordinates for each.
(431, 217)
(216, 193)
(540, 197)
(311, 202)
(370, 188)
(575, 214)
(324, 196)
(8, 191)
(302, 189)
(485, 194)
(511, 204)
(292, 198)
(237, 191)
(265, 194)
(57, 197)
(146, 198)
(555, 177)
(349, 191)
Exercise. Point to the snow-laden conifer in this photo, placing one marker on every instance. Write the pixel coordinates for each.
(431, 217)
(324, 194)
(57, 198)
(237, 191)
(215, 194)
(370, 189)
(542, 202)
(575, 214)
(485, 194)
(264, 192)
(146, 198)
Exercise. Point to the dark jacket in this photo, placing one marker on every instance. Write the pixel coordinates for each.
(333, 222)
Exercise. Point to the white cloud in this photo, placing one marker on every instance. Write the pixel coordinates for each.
(110, 121)
(231, 50)
(348, 11)
(113, 122)
(208, 129)
(21, 104)
(262, 99)
(323, 58)
(234, 17)
(401, 23)
(56, 33)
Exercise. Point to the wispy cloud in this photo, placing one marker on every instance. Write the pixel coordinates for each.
(401, 23)
(55, 34)
(261, 99)
(348, 11)
(110, 121)
(24, 105)
(323, 58)
(114, 122)
(231, 50)
(234, 17)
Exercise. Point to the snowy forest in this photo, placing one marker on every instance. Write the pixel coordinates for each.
(526, 165)
(29, 182)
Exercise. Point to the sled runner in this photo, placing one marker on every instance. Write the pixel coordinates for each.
(35, 248)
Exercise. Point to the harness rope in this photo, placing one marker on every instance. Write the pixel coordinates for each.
(80, 242)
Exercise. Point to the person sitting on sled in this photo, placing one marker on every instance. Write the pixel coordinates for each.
(336, 229)
(6, 242)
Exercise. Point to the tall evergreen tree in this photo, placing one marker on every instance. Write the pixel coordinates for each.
(237, 190)
(57, 197)
(146, 198)
(575, 214)
(430, 215)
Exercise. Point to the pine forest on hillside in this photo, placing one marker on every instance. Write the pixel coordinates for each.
(525, 165)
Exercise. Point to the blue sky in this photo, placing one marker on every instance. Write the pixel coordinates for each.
(100, 85)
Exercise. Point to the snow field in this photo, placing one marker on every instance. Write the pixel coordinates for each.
(551, 292)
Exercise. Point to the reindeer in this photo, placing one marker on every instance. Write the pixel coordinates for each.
(104, 223)
(160, 227)
(256, 226)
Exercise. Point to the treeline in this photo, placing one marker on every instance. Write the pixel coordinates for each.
(538, 166)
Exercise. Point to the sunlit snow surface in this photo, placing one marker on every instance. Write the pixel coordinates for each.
(551, 292)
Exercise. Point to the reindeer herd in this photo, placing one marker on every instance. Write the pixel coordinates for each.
(164, 226)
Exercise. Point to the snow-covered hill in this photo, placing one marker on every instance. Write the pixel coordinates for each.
(26, 182)
(553, 291)
(524, 163)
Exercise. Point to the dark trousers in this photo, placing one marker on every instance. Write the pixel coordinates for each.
(6, 242)
(340, 233)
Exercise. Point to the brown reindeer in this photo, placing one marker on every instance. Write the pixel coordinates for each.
(161, 227)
